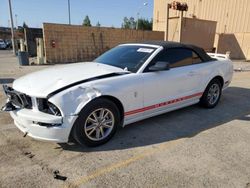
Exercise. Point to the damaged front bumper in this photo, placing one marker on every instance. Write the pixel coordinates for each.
(34, 123)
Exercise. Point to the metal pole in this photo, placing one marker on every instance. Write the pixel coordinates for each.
(16, 21)
(180, 28)
(12, 30)
(137, 22)
(69, 11)
(167, 23)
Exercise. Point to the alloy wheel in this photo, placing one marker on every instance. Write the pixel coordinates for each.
(99, 124)
(213, 94)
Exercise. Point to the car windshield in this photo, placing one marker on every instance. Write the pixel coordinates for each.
(128, 57)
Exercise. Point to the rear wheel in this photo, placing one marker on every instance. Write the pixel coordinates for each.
(212, 94)
(97, 123)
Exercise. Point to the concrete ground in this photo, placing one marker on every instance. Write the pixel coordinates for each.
(191, 147)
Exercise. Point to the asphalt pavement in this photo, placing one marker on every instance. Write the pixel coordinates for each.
(191, 147)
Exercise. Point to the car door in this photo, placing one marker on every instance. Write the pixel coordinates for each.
(175, 87)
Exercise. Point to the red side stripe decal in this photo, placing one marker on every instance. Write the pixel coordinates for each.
(162, 104)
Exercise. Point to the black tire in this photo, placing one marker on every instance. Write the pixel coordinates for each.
(79, 132)
(204, 101)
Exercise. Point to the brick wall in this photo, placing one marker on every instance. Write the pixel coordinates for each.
(77, 43)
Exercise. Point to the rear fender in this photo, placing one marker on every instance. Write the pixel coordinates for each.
(212, 74)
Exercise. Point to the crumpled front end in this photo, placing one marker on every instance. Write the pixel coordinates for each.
(38, 117)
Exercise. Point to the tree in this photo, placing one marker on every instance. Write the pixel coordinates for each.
(25, 25)
(145, 24)
(129, 23)
(86, 21)
(98, 24)
(125, 24)
(21, 28)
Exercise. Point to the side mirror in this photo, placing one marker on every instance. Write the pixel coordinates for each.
(160, 66)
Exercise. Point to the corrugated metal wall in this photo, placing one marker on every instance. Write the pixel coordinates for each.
(231, 15)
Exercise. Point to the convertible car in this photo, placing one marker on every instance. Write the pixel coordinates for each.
(88, 101)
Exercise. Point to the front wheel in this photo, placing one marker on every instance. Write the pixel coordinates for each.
(212, 94)
(97, 123)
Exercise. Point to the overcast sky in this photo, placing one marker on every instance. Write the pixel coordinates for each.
(107, 12)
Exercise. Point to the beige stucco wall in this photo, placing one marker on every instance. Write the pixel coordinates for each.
(77, 43)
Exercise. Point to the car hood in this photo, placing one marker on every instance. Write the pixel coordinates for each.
(44, 82)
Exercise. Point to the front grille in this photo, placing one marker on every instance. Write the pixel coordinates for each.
(26, 101)
(19, 100)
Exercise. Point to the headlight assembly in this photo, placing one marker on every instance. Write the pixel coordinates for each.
(47, 107)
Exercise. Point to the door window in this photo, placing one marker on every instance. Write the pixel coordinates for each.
(178, 57)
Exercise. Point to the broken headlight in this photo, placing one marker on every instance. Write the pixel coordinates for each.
(47, 107)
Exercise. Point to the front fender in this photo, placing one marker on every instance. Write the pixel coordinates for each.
(72, 100)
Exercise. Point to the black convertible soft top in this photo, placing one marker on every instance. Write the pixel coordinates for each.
(166, 45)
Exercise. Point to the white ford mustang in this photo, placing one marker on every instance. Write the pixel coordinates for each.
(131, 82)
